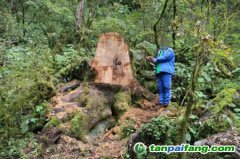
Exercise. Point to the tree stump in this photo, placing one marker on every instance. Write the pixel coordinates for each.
(112, 62)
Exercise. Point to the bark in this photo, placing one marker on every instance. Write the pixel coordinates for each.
(174, 24)
(157, 22)
(80, 15)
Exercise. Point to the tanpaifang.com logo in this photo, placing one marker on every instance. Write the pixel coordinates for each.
(140, 148)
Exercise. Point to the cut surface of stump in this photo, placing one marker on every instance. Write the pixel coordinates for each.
(111, 61)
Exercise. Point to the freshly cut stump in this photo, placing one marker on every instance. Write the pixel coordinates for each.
(112, 62)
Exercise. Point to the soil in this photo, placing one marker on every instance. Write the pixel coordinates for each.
(111, 144)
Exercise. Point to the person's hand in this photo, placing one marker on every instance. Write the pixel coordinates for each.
(150, 59)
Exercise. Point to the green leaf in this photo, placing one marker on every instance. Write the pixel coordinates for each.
(188, 137)
(232, 105)
(39, 109)
(33, 120)
(193, 131)
(24, 126)
(237, 110)
(193, 117)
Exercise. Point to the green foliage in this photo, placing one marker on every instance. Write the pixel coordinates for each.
(71, 62)
(79, 126)
(53, 122)
(127, 129)
(122, 102)
(182, 76)
(40, 47)
(224, 98)
(109, 25)
(96, 107)
(36, 119)
(21, 148)
(159, 130)
(210, 125)
(25, 86)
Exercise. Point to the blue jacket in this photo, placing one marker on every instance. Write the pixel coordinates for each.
(166, 60)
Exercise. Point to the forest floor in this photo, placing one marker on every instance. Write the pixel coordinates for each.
(111, 144)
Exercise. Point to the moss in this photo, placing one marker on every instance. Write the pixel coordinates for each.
(80, 126)
(224, 98)
(83, 121)
(96, 108)
(122, 102)
(151, 85)
(54, 121)
(234, 119)
(44, 90)
(82, 100)
(236, 98)
(92, 99)
(84, 96)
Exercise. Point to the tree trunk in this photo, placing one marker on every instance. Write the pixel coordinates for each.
(112, 62)
(174, 24)
(80, 15)
(192, 88)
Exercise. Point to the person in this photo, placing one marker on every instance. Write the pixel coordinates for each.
(164, 63)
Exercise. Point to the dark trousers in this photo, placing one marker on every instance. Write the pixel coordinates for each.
(164, 81)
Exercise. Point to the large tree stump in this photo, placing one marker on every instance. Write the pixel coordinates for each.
(112, 62)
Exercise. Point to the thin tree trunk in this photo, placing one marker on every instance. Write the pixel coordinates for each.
(156, 23)
(79, 15)
(192, 88)
(174, 24)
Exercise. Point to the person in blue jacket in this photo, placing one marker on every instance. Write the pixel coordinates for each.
(164, 63)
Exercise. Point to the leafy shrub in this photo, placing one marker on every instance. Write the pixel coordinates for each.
(127, 129)
(160, 130)
(21, 148)
(25, 86)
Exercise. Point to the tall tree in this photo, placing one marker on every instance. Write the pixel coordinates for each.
(80, 14)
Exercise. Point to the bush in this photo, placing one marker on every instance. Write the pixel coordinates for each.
(160, 130)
